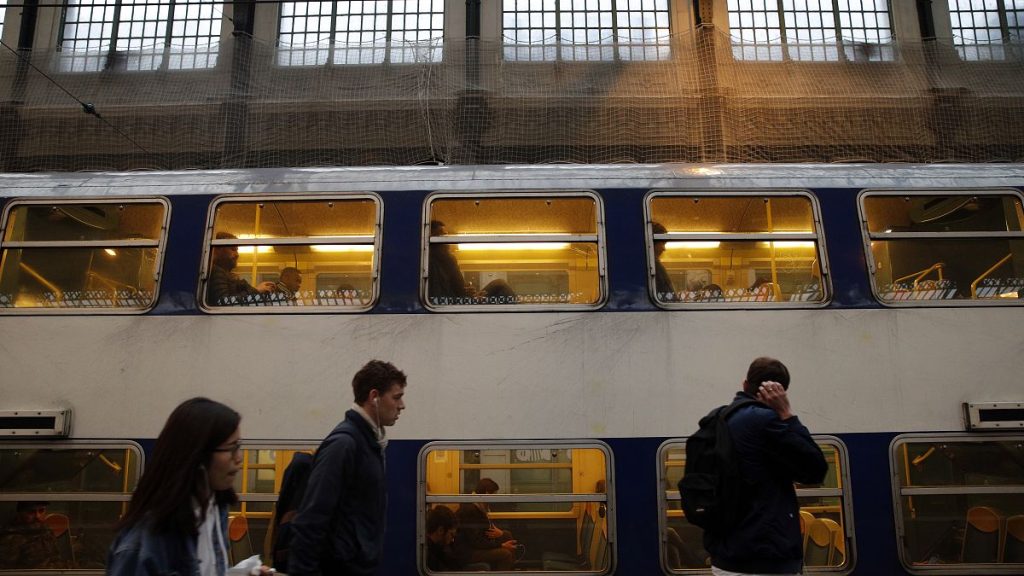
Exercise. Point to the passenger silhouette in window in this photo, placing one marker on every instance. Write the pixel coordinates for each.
(224, 287)
(478, 539)
(27, 542)
(662, 281)
(288, 283)
(447, 285)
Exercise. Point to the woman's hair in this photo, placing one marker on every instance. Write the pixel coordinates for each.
(176, 476)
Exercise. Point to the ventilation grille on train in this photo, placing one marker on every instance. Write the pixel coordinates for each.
(994, 415)
(35, 423)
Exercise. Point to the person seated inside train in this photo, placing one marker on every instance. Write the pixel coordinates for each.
(446, 284)
(224, 287)
(288, 283)
(710, 293)
(478, 539)
(441, 527)
(662, 281)
(27, 542)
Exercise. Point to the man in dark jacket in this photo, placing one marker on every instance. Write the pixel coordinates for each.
(340, 526)
(774, 450)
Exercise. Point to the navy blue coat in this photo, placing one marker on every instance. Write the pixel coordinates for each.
(340, 526)
(773, 454)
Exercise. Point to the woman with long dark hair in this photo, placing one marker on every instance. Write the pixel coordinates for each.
(177, 519)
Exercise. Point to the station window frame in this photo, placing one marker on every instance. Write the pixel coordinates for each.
(869, 236)
(843, 492)
(898, 491)
(817, 236)
(123, 497)
(159, 244)
(607, 498)
(598, 238)
(209, 242)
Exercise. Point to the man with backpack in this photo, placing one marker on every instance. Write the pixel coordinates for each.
(740, 470)
(340, 525)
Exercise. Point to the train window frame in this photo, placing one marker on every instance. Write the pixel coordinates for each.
(51, 497)
(423, 499)
(159, 244)
(817, 236)
(599, 238)
(844, 493)
(209, 242)
(868, 237)
(899, 491)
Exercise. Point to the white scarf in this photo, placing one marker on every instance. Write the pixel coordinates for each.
(379, 430)
(211, 541)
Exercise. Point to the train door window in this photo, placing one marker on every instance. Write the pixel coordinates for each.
(826, 514)
(82, 255)
(60, 502)
(944, 248)
(735, 249)
(274, 254)
(521, 505)
(513, 251)
(959, 501)
(254, 520)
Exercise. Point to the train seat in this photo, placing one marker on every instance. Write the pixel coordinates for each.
(561, 561)
(820, 543)
(239, 545)
(983, 535)
(60, 525)
(805, 521)
(1013, 547)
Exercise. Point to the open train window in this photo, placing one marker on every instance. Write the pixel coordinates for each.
(944, 247)
(306, 254)
(959, 501)
(735, 249)
(60, 502)
(513, 251)
(254, 520)
(826, 514)
(80, 256)
(528, 506)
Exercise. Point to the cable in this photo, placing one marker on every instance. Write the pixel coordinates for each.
(87, 107)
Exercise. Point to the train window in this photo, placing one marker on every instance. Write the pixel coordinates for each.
(523, 506)
(314, 254)
(735, 250)
(514, 251)
(826, 514)
(82, 255)
(959, 502)
(253, 521)
(944, 248)
(60, 502)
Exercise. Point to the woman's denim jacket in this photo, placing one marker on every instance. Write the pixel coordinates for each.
(138, 551)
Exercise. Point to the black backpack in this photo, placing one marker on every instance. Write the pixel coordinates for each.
(293, 488)
(712, 486)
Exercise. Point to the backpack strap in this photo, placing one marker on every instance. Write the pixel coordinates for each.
(724, 412)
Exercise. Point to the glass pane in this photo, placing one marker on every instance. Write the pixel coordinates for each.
(59, 534)
(297, 219)
(85, 222)
(113, 470)
(78, 277)
(310, 275)
(949, 269)
(514, 273)
(959, 213)
(960, 528)
(738, 271)
(733, 215)
(991, 463)
(554, 215)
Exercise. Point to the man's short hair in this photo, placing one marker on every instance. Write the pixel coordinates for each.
(289, 270)
(375, 375)
(658, 228)
(764, 369)
(440, 517)
(486, 486)
(30, 505)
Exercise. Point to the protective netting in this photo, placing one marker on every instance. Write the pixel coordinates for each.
(697, 98)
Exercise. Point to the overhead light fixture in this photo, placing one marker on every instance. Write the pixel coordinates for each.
(254, 249)
(513, 246)
(341, 248)
(110, 251)
(694, 245)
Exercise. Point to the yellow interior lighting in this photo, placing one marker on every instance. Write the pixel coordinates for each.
(110, 251)
(341, 248)
(513, 246)
(252, 249)
(699, 245)
(789, 244)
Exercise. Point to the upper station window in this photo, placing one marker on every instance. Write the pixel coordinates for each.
(987, 30)
(825, 514)
(82, 255)
(543, 249)
(815, 30)
(298, 255)
(960, 503)
(733, 249)
(945, 247)
(363, 32)
(586, 29)
(522, 506)
(62, 502)
(154, 34)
